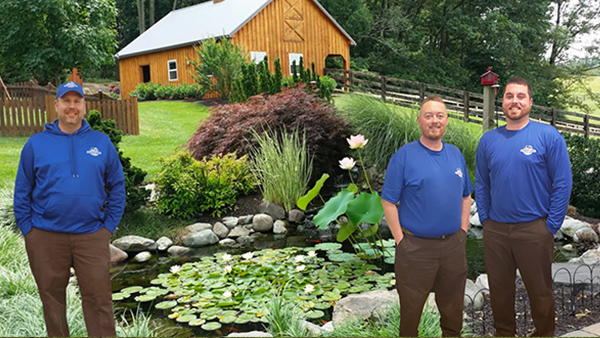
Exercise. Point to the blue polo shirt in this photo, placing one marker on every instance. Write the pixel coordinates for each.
(430, 186)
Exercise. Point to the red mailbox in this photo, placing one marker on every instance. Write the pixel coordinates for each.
(489, 78)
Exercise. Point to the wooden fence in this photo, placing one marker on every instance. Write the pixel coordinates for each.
(31, 106)
(460, 104)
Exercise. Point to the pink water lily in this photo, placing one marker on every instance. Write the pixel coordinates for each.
(357, 141)
(347, 163)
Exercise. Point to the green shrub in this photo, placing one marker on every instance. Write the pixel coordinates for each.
(585, 168)
(187, 187)
(134, 176)
(145, 91)
(152, 91)
(283, 167)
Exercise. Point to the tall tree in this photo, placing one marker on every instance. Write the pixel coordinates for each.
(44, 38)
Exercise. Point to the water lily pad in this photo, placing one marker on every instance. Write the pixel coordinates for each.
(132, 289)
(342, 257)
(227, 319)
(120, 295)
(322, 305)
(186, 318)
(211, 326)
(196, 322)
(166, 304)
(145, 298)
(314, 314)
(328, 246)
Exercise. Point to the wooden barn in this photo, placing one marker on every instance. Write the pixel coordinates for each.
(288, 29)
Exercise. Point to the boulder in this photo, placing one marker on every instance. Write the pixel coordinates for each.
(279, 227)
(365, 306)
(483, 283)
(296, 216)
(117, 255)
(238, 231)
(571, 225)
(230, 222)
(177, 250)
(135, 244)
(200, 239)
(262, 222)
(473, 208)
(585, 235)
(142, 257)
(589, 257)
(271, 209)
(473, 296)
(568, 247)
(220, 230)
(197, 227)
(474, 221)
(475, 232)
(245, 219)
(163, 243)
(227, 242)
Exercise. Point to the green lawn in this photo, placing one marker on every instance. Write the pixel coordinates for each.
(164, 126)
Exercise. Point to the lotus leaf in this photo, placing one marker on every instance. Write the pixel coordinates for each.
(186, 318)
(314, 314)
(132, 289)
(211, 326)
(120, 296)
(166, 304)
(345, 231)
(366, 208)
(196, 322)
(335, 207)
(328, 246)
(312, 193)
(145, 298)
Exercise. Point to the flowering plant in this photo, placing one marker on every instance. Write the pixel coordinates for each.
(363, 211)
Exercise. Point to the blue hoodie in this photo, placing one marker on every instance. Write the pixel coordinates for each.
(70, 183)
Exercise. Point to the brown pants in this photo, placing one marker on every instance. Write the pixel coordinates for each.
(528, 247)
(422, 264)
(51, 255)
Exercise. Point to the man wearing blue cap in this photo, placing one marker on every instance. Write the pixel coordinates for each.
(69, 199)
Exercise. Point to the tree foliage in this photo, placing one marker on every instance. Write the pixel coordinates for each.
(43, 39)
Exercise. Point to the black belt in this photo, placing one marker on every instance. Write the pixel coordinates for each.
(409, 233)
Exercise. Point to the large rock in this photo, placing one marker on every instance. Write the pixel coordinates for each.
(197, 227)
(200, 239)
(142, 257)
(473, 208)
(117, 255)
(220, 230)
(177, 250)
(227, 242)
(164, 243)
(571, 225)
(230, 222)
(473, 296)
(364, 306)
(483, 283)
(135, 244)
(238, 231)
(589, 257)
(245, 219)
(475, 220)
(279, 227)
(475, 232)
(271, 209)
(296, 216)
(262, 222)
(585, 235)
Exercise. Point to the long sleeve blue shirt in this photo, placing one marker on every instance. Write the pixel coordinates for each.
(523, 175)
(71, 183)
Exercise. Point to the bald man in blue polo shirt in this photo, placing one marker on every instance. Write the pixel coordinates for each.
(426, 199)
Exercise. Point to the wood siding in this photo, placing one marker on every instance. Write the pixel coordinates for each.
(282, 27)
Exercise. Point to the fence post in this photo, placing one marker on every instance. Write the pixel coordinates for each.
(466, 107)
(351, 84)
(553, 114)
(421, 92)
(383, 89)
(586, 126)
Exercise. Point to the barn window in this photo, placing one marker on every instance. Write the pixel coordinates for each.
(172, 70)
(295, 57)
(257, 57)
(146, 73)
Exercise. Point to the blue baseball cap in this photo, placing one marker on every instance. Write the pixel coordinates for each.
(69, 87)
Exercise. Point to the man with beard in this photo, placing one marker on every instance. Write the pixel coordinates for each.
(430, 181)
(523, 183)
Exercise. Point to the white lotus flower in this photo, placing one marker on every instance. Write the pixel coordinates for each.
(248, 255)
(299, 258)
(228, 269)
(175, 269)
(347, 163)
(309, 288)
(300, 268)
(226, 257)
(227, 294)
(312, 254)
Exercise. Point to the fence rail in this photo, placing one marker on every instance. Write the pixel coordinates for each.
(460, 104)
(31, 106)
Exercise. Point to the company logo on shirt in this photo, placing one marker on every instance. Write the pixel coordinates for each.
(458, 172)
(528, 150)
(94, 151)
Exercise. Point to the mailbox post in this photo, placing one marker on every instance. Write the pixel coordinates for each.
(489, 81)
